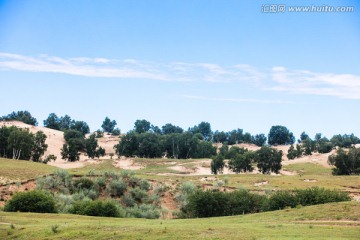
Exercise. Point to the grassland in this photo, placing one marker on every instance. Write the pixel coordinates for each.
(19, 170)
(328, 221)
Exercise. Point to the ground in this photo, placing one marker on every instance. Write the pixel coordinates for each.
(336, 221)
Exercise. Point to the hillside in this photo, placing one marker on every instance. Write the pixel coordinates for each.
(327, 221)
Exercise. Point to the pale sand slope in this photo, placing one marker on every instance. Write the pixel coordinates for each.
(55, 140)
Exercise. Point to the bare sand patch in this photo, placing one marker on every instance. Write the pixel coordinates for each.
(310, 180)
(261, 183)
(127, 163)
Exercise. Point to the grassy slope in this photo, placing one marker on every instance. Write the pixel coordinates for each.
(19, 170)
(328, 221)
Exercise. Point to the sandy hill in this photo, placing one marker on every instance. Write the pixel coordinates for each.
(55, 140)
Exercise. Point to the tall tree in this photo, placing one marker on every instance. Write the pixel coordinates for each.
(80, 126)
(52, 122)
(217, 164)
(169, 128)
(142, 126)
(204, 128)
(108, 125)
(39, 146)
(21, 143)
(22, 116)
(268, 160)
(280, 135)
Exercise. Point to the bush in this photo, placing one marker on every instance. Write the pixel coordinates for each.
(243, 201)
(316, 195)
(138, 194)
(32, 201)
(118, 187)
(280, 200)
(83, 183)
(346, 162)
(97, 208)
(143, 211)
(128, 200)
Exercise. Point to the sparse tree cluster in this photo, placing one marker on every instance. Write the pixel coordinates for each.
(66, 123)
(17, 143)
(171, 142)
(22, 116)
(266, 159)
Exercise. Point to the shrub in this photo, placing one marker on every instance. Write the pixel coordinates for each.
(32, 201)
(138, 194)
(280, 200)
(63, 203)
(118, 187)
(83, 183)
(144, 185)
(128, 200)
(243, 201)
(101, 182)
(97, 208)
(143, 211)
(316, 195)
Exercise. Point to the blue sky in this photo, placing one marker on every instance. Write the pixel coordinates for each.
(183, 62)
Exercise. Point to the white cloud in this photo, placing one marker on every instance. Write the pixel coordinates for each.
(307, 82)
(245, 100)
(278, 78)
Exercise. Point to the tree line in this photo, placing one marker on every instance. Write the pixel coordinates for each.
(17, 143)
(150, 141)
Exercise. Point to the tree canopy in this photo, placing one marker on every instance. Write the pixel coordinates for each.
(280, 135)
(22, 116)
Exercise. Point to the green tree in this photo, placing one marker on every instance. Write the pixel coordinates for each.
(219, 137)
(32, 201)
(4, 136)
(259, 140)
(80, 126)
(304, 136)
(217, 164)
(90, 145)
(280, 135)
(204, 128)
(242, 162)
(108, 125)
(346, 162)
(20, 142)
(169, 128)
(39, 147)
(22, 116)
(142, 126)
(268, 160)
(70, 151)
(52, 122)
(235, 136)
(128, 145)
(308, 146)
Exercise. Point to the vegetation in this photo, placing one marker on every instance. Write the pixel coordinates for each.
(32, 201)
(22, 116)
(108, 125)
(215, 203)
(346, 162)
(280, 135)
(19, 143)
(65, 123)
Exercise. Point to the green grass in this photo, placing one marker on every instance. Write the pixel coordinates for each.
(19, 170)
(328, 221)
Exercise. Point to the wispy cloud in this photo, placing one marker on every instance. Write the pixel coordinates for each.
(307, 82)
(275, 79)
(244, 100)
